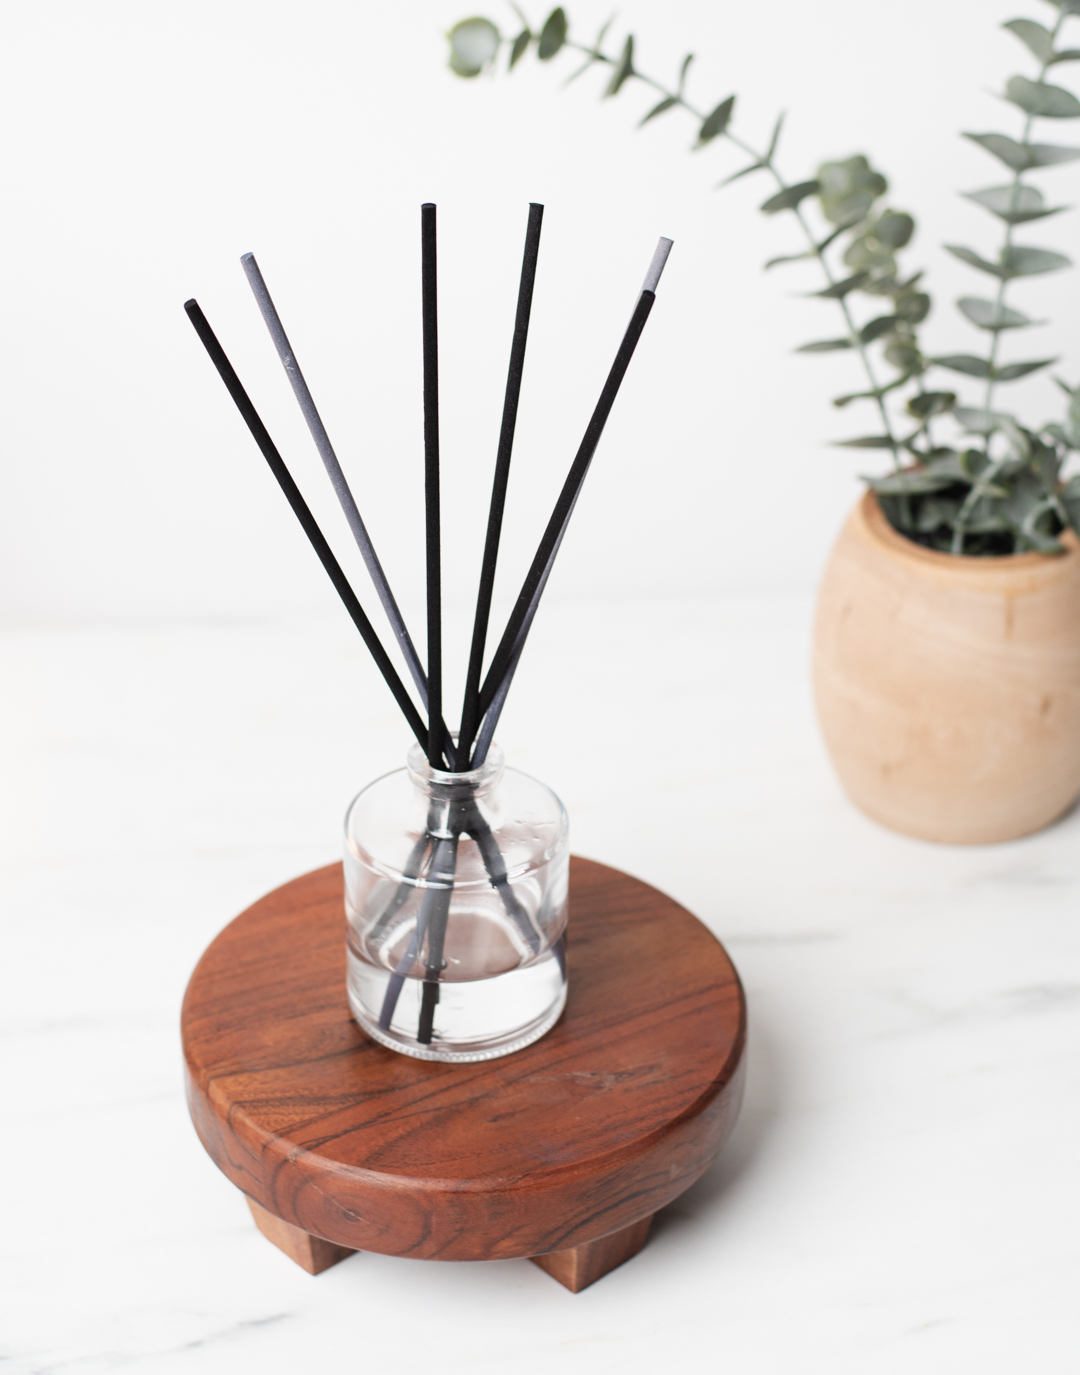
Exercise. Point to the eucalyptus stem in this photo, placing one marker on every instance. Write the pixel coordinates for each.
(1004, 495)
(1013, 202)
(766, 161)
(993, 468)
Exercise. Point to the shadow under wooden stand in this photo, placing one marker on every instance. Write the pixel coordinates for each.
(560, 1153)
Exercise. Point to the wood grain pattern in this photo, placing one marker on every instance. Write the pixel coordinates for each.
(615, 1112)
(576, 1269)
(948, 689)
(312, 1254)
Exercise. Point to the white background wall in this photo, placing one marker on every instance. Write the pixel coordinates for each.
(147, 146)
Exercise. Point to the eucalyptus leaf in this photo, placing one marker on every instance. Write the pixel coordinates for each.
(473, 44)
(1038, 98)
(1070, 499)
(969, 256)
(1028, 216)
(789, 258)
(1018, 261)
(1005, 149)
(894, 229)
(1015, 204)
(1011, 371)
(745, 172)
(977, 420)
(521, 42)
(1046, 463)
(913, 306)
(929, 403)
(884, 324)
(849, 189)
(552, 35)
(1007, 200)
(917, 483)
(790, 197)
(825, 346)
(964, 362)
(869, 441)
(947, 463)
(864, 253)
(903, 354)
(1072, 420)
(1019, 442)
(668, 103)
(989, 315)
(937, 512)
(839, 290)
(874, 394)
(775, 138)
(717, 122)
(1022, 156)
(1050, 154)
(1066, 55)
(624, 68)
(1037, 39)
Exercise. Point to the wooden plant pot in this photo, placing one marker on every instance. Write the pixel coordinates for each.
(948, 689)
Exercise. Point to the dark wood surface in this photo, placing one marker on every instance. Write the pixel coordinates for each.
(311, 1253)
(587, 1132)
(583, 1265)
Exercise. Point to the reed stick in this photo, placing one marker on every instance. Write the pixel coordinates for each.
(540, 569)
(430, 307)
(471, 702)
(303, 514)
(490, 722)
(315, 425)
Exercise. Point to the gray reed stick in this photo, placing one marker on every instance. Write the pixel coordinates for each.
(333, 470)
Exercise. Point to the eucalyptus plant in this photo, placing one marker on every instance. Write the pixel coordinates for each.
(997, 487)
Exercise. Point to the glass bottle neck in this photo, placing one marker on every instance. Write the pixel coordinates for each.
(441, 786)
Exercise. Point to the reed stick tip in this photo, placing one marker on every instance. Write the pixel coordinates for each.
(656, 267)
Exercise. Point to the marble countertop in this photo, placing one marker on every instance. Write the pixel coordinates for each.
(899, 1194)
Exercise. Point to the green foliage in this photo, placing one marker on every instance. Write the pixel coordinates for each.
(1001, 494)
(552, 35)
(473, 44)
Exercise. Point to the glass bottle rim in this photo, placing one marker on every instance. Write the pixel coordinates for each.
(443, 781)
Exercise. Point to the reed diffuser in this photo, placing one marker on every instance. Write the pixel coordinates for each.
(455, 867)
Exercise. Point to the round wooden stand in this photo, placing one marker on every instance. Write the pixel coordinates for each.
(561, 1152)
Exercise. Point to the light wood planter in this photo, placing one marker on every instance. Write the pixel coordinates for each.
(948, 689)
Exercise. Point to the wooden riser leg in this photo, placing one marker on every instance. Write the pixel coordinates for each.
(312, 1253)
(583, 1265)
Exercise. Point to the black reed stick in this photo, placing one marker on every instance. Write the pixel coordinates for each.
(430, 303)
(490, 722)
(303, 514)
(511, 642)
(470, 705)
(437, 901)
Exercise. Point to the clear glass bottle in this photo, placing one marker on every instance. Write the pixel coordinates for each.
(456, 900)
